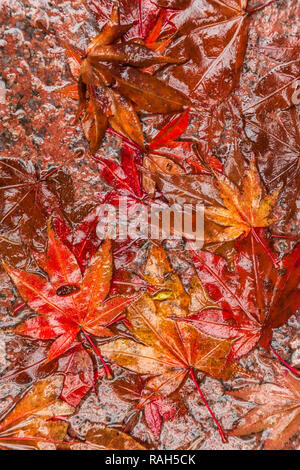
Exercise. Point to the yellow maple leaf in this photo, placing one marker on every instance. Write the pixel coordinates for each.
(244, 209)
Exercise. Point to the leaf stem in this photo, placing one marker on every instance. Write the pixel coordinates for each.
(260, 7)
(259, 240)
(19, 307)
(257, 283)
(222, 434)
(98, 15)
(292, 369)
(288, 237)
(50, 173)
(131, 420)
(106, 368)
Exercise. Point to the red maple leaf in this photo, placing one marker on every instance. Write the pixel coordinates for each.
(68, 303)
(250, 301)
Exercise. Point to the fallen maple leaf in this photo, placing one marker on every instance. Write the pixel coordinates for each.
(213, 36)
(110, 93)
(68, 303)
(243, 209)
(30, 424)
(221, 133)
(272, 124)
(275, 141)
(167, 350)
(28, 197)
(278, 409)
(277, 90)
(277, 134)
(239, 206)
(251, 301)
(158, 410)
(84, 238)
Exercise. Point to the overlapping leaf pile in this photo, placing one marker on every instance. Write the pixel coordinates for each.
(163, 77)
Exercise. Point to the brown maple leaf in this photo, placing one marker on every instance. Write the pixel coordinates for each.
(29, 195)
(213, 36)
(168, 351)
(30, 424)
(111, 89)
(102, 438)
(279, 88)
(278, 409)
